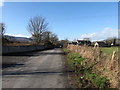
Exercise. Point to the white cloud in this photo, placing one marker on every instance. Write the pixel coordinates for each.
(103, 34)
(18, 35)
(1, 3)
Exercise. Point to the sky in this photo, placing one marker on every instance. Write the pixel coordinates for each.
(71, 20)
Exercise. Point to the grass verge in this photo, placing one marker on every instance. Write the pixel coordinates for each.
(84, 78)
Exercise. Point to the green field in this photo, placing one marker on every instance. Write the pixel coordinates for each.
(109, 50)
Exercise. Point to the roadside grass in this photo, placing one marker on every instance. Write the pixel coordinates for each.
(66, 51)
(109, 50)
(74, 61)
(97, 80)
(84, 78)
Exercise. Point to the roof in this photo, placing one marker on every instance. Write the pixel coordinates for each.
(100, 42)
(82, 40)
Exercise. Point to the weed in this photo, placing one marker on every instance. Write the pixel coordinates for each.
(66, 51)
(85, 78)
(97, 80)
(74, 60)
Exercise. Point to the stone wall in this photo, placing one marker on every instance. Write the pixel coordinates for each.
(18, 49)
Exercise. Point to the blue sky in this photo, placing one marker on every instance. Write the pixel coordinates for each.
(68, 20)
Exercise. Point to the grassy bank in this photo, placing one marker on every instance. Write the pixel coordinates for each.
(83, 76)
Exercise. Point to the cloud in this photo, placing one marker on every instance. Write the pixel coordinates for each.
(1, 3)
(101, 35)
(18, 35)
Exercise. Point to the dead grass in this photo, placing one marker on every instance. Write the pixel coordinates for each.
(100, 62)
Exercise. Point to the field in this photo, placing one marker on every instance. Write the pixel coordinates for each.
(109, 50)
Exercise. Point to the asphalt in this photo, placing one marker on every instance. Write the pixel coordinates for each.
(41, 69)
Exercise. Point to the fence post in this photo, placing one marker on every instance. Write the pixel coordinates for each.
(113, 55)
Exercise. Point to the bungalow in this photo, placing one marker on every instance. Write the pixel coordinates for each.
(74, 43)
(100, 44)
(84, 42)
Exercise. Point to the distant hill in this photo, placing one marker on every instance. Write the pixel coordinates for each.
(17, 39)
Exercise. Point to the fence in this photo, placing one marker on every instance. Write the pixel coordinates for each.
(103, 64)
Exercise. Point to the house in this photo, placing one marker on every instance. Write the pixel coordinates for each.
(74, 43)
(70, 42)
(84, 42)
(100, 44)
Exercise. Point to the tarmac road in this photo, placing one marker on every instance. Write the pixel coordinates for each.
(42, 69)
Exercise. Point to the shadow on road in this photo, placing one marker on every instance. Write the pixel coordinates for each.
(11, 65)
(37, 72)
(12, 60)
(35, 53)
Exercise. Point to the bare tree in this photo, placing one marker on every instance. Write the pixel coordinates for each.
(53, 38)
(2, 29)
(46, 36)
(37, 26)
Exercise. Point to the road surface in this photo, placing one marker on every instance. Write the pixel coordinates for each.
(43, 69)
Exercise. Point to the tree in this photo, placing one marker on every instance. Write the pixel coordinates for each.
(46, 36)
(2, 29)
(64, 43)
(2, 32)
(53, 38)
(37, 26)
(111, 40)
